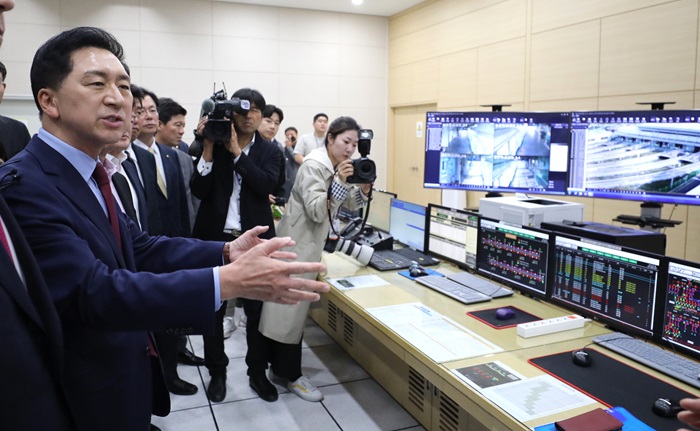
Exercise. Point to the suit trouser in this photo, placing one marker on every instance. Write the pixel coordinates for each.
(168, 348)
(284, 358)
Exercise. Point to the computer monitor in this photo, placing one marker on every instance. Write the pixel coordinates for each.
(451, 235)
(407, 224)
(615, 285)
(681, 307)
(380, 209)
(649, 156)
(497, 151)
(514, 255)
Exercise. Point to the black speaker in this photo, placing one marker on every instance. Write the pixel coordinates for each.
(653, 242)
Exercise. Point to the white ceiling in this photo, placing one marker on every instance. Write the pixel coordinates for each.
(369, 7)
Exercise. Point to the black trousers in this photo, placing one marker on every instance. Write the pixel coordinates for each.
(215, 358)
(285, 359)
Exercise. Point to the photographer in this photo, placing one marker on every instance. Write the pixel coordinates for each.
(322, 178)
(233, 179)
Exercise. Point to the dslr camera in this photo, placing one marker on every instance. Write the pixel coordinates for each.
(365, 171)
(219, 111)
(361, 253)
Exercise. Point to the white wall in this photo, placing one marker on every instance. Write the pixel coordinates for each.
(304, 61)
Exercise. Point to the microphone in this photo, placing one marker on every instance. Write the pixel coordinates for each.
(15, 177)
(207, 106)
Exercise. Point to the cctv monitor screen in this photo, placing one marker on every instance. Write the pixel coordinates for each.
(407, 223)
(681, 308)
(514, 255)
(497, 151)
(636, 155)
(451, 235)
(615, 285)
(380, 209)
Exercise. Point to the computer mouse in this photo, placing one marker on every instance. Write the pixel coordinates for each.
(505, 313)
(581, 358)
(666, 408)
(417, 271)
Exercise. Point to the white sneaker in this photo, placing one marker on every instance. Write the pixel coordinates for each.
(229, 326)
(242, 320)
(305, 389)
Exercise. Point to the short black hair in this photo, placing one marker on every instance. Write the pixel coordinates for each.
(320, 114)
(136, 92)
(53, 61)
(168, 108)
(272, 109)
(254, 96)
(3, 71)
(340, 125)
(291, 128)
(150, 94)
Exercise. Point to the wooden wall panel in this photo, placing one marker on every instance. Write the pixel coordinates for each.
(549, 14)
(501, 73)
(561, 54)
(650, 50)
(457, 79)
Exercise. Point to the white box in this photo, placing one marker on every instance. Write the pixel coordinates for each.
(530, 211)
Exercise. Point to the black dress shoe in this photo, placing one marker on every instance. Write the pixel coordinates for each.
(181, 387)
(154, 428)
(188, 358)
(216, 392)
(263, 387)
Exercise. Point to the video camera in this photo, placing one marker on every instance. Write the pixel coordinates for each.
(365, 171)
(219, 111)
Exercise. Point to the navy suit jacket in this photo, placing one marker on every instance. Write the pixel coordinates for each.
(174, 211)
(14, 136)
(260, 174)
(147, 166)
(107, 299)
(32, 344)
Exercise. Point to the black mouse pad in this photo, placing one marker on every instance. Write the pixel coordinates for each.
(488, 316)
(615, 384)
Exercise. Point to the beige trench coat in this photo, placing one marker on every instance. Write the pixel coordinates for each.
(306, 222)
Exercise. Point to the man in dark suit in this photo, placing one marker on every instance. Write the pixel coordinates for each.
(31, 338)
(171, 196)
(30, 331)
(14, 135)
(110, 282)
(233, 180)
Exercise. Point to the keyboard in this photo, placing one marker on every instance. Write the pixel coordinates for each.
(669, 363)
(454, 290)
(479, 284)
(387, 260)
(417, 256)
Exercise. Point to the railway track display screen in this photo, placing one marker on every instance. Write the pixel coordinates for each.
(649, 156)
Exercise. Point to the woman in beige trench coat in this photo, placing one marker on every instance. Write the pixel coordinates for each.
(306, 221)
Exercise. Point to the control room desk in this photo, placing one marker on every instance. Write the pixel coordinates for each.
(429, 390)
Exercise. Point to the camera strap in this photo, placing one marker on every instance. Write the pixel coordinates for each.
(329, 198)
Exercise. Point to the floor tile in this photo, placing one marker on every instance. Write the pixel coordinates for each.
(190, 374)
(365, 406)
(288, 413)
(314, 336)
(199, 419)
(327, 365)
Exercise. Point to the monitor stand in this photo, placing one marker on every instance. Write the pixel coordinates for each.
(649, 218)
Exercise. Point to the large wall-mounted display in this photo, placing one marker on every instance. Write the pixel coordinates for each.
(497, 151)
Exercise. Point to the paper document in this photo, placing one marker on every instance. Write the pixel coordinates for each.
(436, 336)
(523, 398)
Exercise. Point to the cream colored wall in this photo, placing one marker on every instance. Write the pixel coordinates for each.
(304, 61)
(551, 55)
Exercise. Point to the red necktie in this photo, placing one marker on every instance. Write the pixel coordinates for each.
(100, 176)
(5, 242)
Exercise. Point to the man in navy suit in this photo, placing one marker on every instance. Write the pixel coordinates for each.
(111, 283)
(13, 134)
(30, 331)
